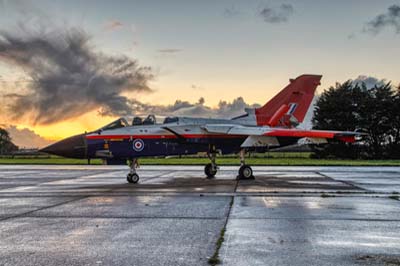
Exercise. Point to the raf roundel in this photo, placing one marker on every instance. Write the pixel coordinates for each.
(138, 145)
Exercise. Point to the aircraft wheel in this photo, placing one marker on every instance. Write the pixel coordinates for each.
(209, 171)
(132, 178)
(245, 172)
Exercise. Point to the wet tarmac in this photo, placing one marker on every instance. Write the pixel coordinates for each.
(89, 215)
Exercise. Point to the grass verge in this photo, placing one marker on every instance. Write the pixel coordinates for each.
(298, 161)
(394, 197)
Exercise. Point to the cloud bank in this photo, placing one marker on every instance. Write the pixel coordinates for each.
(67, 77)
(199, 109)
(369, 81)
(26, 138)
(389, 19)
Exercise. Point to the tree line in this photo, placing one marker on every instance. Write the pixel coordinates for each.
(349, 106)
(6, 145)
(352, 106)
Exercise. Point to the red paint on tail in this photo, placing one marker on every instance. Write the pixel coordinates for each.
(298, 96)
(274, 120)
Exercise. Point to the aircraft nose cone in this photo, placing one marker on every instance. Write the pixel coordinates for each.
(72, 147)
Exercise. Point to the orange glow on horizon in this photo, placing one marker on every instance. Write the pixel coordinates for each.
(57, 131)
(259, 92)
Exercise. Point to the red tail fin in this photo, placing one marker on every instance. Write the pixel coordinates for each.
(295, 98)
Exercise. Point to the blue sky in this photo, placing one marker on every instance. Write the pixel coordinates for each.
(230, 55)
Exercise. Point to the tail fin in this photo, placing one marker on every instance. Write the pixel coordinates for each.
(293, 102)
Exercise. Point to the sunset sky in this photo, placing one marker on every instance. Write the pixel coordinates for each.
(216, 50)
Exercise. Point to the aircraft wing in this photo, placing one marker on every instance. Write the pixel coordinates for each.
(276, 132)
(346, 136)
(262, 136)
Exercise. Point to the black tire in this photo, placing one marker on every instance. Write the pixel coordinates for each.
(245, 172)
(132, 178)
(208, 170)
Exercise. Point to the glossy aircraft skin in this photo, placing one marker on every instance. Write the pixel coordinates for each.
(271, 125)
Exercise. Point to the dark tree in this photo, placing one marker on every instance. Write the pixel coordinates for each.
(350, 106)
(338, 108)
(377, 118)
(394, 149)
(6, 146)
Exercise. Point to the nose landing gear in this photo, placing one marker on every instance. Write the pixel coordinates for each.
(133, 177)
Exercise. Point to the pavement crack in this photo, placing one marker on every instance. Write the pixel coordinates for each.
(120, 217)
(317, 219)
(351, 184)
(26, 214)
(214, 259)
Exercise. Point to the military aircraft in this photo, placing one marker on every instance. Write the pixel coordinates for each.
(272, 125)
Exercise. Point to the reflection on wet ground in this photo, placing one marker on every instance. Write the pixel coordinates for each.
(89, 215)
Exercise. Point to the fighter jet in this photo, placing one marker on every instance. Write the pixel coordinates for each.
(275, 124)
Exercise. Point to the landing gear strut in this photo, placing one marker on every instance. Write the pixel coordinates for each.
(245, 171)
(211, 169)
(133, 177)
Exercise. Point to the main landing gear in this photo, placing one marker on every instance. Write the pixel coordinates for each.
(211, 169)
(133, 177)
(245, 171)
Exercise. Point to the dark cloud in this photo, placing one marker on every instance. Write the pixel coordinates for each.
(223, 110)
(113, 25)
(169, 50)
(369, 81)
(67, 76)
(276, 15)
(391, 18)
(26, 138)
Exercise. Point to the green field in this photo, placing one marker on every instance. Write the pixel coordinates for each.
(275, 159)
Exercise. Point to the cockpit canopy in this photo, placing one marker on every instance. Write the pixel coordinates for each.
(138, 121)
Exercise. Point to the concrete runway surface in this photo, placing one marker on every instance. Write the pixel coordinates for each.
(89, 215)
